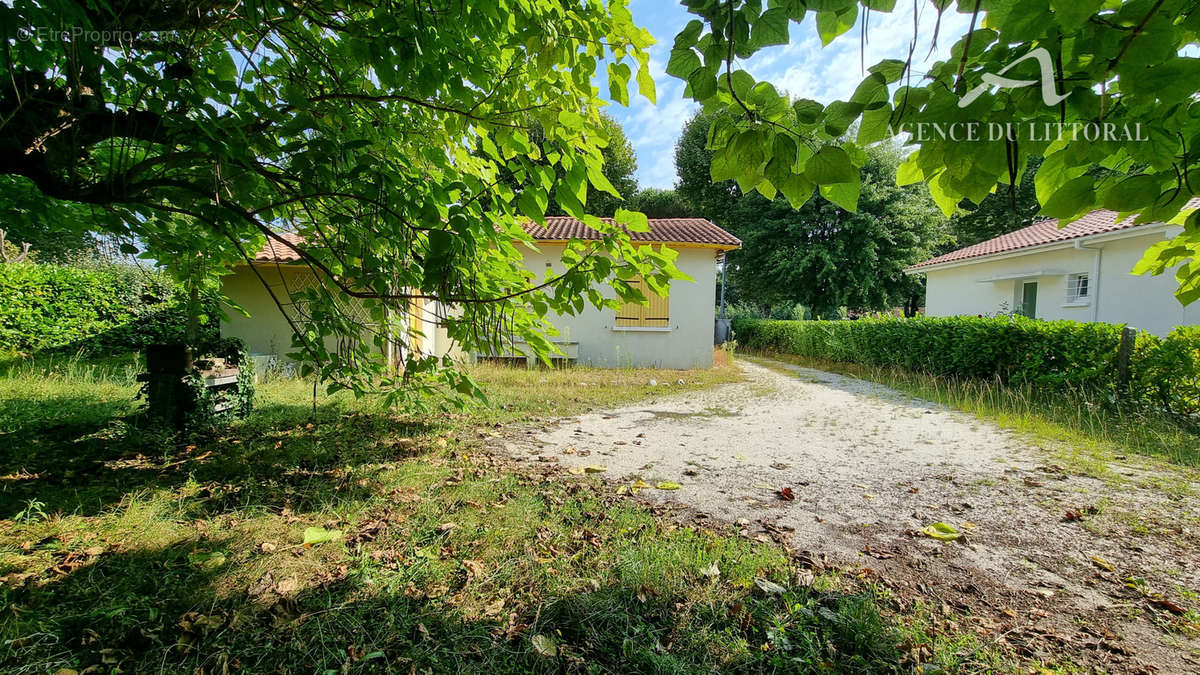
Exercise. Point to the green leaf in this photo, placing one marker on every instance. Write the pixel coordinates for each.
(682, 62)
(844, 195)
(571, 120)
(634, 220)
(1131, 194)
(874, 125)
(1072, 14)
(1072, 199)
(533, 203)
(645, 82)
(703, 84)
(796, 188)
(320, 535)
(909, 172)
(890, 69)
(618, 82)
(941, 531)
(687, 37)
(770, 29)
(832, 24)
(830, 165)
(807, 110)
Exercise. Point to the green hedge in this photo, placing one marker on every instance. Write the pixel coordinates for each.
(101, 309)
(1046, 354)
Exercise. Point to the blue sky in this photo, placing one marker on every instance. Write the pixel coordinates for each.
(801, 68)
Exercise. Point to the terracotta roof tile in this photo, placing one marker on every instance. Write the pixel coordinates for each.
(275, 251)
(662, 230)
(1044, 232)
(557, 228)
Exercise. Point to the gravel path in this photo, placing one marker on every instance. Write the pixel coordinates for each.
(869, 467)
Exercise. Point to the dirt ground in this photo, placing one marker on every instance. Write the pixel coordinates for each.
(1102, 573)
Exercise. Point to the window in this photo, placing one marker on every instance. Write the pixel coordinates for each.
(657, 314)
(1077, 288)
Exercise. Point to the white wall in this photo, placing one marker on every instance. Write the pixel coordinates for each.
(686, 343)
(1119, 297)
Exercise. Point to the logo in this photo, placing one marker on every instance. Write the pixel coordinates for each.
(1050, 95)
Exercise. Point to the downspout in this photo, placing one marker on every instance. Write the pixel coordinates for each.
(724, 263)
(1094, 280)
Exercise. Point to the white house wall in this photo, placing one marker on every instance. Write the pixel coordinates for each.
(1145, 302)
(686, 343)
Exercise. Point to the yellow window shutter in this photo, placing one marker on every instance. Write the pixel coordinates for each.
(631, 313)
(416, 307)
(656, 314)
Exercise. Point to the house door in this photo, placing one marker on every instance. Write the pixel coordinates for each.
(1029, 299)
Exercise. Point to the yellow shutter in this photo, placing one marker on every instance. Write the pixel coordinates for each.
(415, 323)
(657, 314)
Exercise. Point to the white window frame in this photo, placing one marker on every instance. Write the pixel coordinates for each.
(1074, 297)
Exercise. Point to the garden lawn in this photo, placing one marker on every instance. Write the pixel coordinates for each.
(120, 550)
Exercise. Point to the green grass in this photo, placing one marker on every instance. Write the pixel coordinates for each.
(121, 550)
(1084, 433)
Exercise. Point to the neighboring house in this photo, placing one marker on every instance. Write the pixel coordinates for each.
(1079, 272)
(675, 331)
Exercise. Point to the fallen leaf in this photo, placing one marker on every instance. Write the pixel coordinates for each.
(1168, 605)
(544, 646)
(769, 587)
(595, 468)
(208, 559)
(668, 485)
(941, 531)
(319, 535)
(474, 568)
(711, 571)
(575, 470)
(1102, 563)
(446, 527)
(786, 494)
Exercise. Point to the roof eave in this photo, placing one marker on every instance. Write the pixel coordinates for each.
(1126, 233)
(681, 244)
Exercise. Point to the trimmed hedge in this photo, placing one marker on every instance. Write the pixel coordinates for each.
(101, 309)
(1165, 372)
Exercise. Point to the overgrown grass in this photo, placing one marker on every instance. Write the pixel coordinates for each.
(1085, 432)
(124, 551)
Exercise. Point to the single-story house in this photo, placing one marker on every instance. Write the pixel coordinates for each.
(675, 331)
(1079, 272)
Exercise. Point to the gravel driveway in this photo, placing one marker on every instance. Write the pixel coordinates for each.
(869, 467)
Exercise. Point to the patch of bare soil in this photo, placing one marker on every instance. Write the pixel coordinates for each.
(1052, 566)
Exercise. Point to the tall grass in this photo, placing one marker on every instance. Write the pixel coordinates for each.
(1089, 429)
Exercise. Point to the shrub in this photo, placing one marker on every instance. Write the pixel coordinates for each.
(100, 309)
(1050, 355)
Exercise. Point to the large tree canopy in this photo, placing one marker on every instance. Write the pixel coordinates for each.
(378, 130)
(1113, 75)
(820, 255)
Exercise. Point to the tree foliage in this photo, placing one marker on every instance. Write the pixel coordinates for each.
(1121, 65)
(656, 203)
(56, 231)
(619, 168)
(1005, 210)
(820, 255)
(378, 130)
